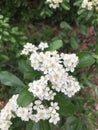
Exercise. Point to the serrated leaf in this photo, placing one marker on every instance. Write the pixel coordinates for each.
(10, 79)
(25, 97)
(85, 59)
(55, 45)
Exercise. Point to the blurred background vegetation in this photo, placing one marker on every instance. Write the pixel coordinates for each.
(33, 21)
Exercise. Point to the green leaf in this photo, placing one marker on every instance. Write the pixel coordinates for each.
(28, 71)
(83, 29)
(25, 97)
(41, 125)
(45, 125)
(74, 43)
(77, 3)
(18, 124)
(65, 6)
(32, 75)
(85, 59)
(73, 123)
(55, 45)
(95, 56)
(1, 16)
(24, 66)
(29, 125)
(65, 25)
(10, 79)
(66, 107)
(96, 47)
(4, 58)
(0, 37)
(81, 11)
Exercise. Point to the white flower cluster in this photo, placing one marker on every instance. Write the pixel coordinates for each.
(7, 113)
(40, 89)
(55, 68)
(12, 110)
(55, 79)
(54, 3)
(89, 4)
(32, 48)
(44, 113)
(70, 61)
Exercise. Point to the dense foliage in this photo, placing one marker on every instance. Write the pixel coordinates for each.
(63, 25)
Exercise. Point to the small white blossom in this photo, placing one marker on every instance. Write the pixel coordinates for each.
(89, 4)
(54, 118)
(70, 61)
(43, 45)
(24, 112)
(54, 3)
(40, 89)
(28, 48)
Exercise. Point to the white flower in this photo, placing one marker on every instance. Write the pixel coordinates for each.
(54, 6)
(24, 112)
(7, 113)
(40, 89)
(57, 1)
(89, 4)
(95, 2)
(43, 45)
(54, 118)
(84, 3)
(38, 105)
(28, 48)
(5, 124)
(54, 3)
(70, 61)
(55, 106)
(42, 114)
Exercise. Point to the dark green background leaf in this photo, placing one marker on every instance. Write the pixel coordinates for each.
(55, 45)
(41, 125)
(66, 107)
(74, 43)
(73, 123)
(85, 59)
(10, 79)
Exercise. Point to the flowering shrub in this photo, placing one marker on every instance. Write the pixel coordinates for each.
(46, 98)
(55, 79)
